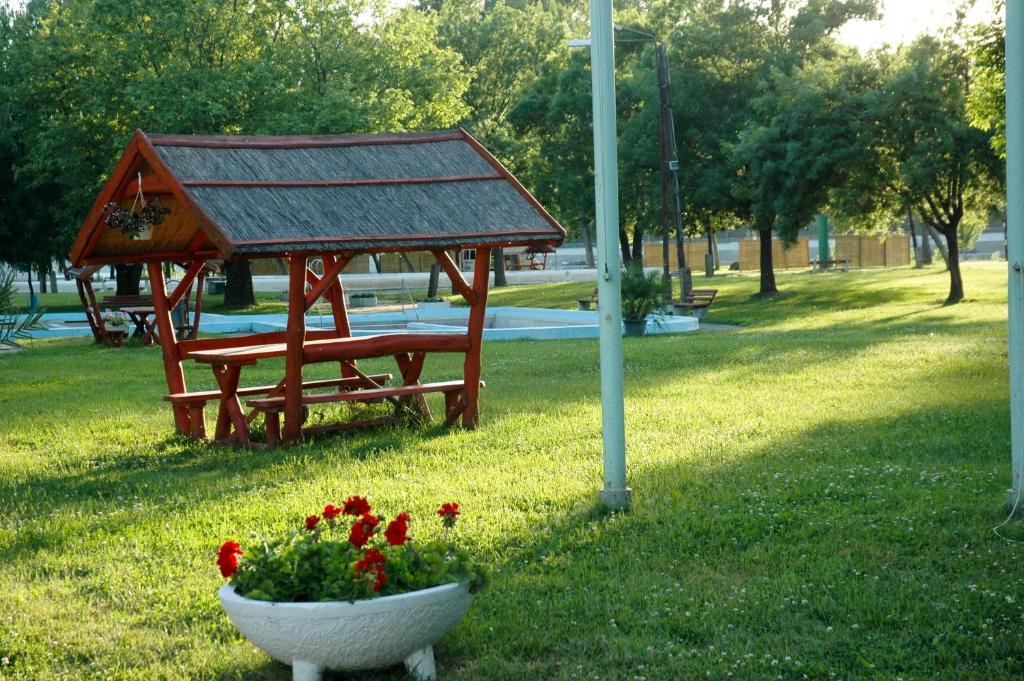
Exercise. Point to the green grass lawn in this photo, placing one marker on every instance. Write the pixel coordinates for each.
(814, 498)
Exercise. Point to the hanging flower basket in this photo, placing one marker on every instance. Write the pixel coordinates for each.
(135, 225)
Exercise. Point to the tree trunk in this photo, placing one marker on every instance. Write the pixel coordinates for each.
(588, 244)
(238, 290)
(714, 249)
(937, 238)
(53, 279)
(499, 268)
(767, 266)
(435, 276)
(128, 277)
(627, 257)
(638, 245)
(918, 255)
(375, 257)
(42, 279)
(956, 282)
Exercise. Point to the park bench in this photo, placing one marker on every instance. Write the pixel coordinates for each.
(118, 301)
(587, 304)
(196, 401)
(822, 265)
(697, 301)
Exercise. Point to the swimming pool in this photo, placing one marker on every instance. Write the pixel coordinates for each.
(500, 323)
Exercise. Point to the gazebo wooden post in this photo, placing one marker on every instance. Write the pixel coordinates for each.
(294, 339)
(168, 344)
(475, 334)
(336, 292)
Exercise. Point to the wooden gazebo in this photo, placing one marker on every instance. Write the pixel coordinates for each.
(330, 197)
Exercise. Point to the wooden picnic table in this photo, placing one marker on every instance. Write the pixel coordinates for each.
(144, 327)
(408, 349)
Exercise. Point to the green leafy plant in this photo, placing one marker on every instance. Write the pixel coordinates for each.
(13, 326)
(641, 293)
(329, 559)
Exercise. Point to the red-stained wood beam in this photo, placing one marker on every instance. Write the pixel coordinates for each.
(264, 338)
(168, 345)
(474, 336)
(295, 339)
(151, 257)
(452, 270)
(185, 284)
(150, 185)
(331, 272)
(384, 345)
(301, 141)
(301, 184)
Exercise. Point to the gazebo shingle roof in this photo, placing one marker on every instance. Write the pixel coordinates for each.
(266, 196)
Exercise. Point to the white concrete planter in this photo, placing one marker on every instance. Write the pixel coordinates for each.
(356, 300)
(345, 636)
(433, 305)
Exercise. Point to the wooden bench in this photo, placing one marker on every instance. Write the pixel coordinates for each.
(822, 265)
(697, 301)
(587, 304)
(127, 301)
(196, 401)
(453, 393)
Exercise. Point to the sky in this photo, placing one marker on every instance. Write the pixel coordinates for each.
(904, 20)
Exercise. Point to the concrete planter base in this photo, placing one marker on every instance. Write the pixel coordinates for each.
(635, 327)
(342, 636)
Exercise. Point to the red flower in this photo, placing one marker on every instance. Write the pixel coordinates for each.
(227, 558)
(331, 512)
(448, 513)
(398, 530)
(356, 506)
(362, 530)
(311, 521)
(374, 560)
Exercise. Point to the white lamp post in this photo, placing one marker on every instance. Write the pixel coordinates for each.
(615, 494)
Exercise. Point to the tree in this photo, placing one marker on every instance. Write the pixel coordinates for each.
(732, 57)
(925, 154)
(79, 76)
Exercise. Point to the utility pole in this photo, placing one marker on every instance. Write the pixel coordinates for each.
(671, 205)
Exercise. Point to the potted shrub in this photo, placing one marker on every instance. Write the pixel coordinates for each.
(350, 595)
(433, 304)
(363, 299)
(641, 296)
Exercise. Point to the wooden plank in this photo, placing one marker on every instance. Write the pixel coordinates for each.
(452, 270)
(474, 336)
(168, 345)
(363, 395)
(364, 347)
(210, 395)
(264, 338)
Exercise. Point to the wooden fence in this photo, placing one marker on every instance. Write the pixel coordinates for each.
(797, 255)
(873, 251)
(694, 252)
